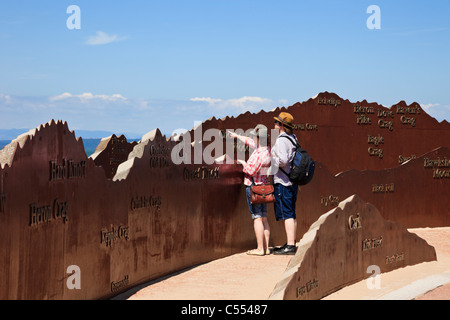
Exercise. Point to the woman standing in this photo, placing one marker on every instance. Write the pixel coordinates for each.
(255, 170)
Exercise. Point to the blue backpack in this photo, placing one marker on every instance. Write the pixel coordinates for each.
(302, 166)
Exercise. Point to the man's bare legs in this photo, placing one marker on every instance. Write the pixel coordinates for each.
(290, 226)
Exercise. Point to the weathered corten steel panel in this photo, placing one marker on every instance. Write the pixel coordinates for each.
(130, 214)
(342, 245)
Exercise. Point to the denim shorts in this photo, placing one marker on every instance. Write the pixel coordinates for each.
(285, 200)
(256, 210)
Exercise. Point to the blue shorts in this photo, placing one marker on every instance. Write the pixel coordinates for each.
(256, 210)
(285, 200)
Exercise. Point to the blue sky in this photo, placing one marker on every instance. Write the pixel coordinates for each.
(138, 65)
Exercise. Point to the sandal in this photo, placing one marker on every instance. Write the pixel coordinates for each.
(255, 252)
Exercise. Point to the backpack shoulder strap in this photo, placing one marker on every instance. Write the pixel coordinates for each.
(295, 143)
(282, 170)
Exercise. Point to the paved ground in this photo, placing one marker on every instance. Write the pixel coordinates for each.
(238, 277)
(429, 280)
(243, 277)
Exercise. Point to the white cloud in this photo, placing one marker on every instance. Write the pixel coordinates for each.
(243, 104)
(87, 96)
(103, 38)
(208, 100)
(63, 96)
(429, 106)
(438, 111)
(117, 113)
(249, 103)
(5, 98)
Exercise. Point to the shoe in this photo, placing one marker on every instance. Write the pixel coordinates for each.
(286, 250)
(279, 248)
(255, 252)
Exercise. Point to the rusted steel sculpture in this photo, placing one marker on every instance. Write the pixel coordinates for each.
(73, 227)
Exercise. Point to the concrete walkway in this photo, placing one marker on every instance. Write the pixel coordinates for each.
(429, 280)
(243, 277)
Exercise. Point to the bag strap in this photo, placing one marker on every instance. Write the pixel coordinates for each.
(269, 177)
(295, 143)
(282, 170)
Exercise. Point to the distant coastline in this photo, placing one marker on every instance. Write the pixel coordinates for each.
(89, 144)
(90, 137)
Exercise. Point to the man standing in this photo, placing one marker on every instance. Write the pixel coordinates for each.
(285, 191)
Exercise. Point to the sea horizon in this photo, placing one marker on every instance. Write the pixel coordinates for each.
(90, 144)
